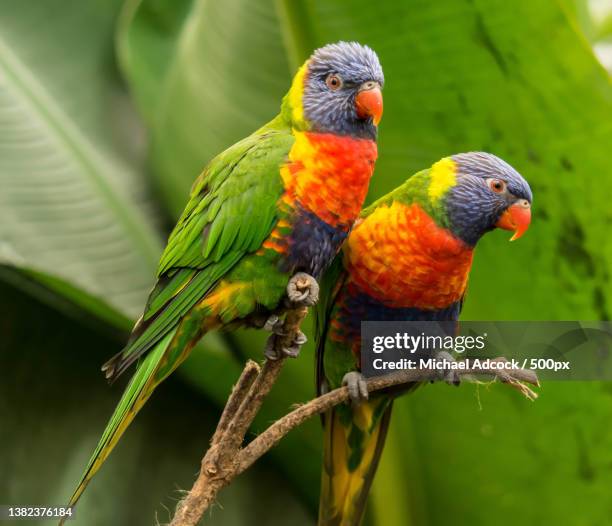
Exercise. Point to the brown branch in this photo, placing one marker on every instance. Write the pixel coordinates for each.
(265, 380)
(271, 436)
(226, 459)
(240, 390)
(218, 467)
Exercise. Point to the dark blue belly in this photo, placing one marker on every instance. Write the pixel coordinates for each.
(313, 245)
(361, 307)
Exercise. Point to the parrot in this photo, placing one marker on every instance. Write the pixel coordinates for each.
(407, 258)
(275, 205)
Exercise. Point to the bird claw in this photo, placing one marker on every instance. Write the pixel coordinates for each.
(302, 290)
(450, 376)
(357, 387)
(274, 349)
(274, 324)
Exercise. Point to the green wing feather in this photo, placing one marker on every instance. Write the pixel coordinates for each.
(332, 282)
(231, 211)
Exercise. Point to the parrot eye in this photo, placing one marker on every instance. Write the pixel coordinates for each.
(497, 185)
(333, 81)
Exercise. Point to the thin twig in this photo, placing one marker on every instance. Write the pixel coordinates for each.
(266, 379)
(249, 374)
(271, 436)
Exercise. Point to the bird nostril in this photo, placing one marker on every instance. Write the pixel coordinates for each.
(368, 85)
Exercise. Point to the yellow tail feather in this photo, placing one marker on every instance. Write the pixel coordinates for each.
(354, 440)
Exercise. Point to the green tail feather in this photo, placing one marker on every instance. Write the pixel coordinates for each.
(136, 394)
(354, 441)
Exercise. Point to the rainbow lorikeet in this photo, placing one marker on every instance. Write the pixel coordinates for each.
(407, 258)
(276, 204)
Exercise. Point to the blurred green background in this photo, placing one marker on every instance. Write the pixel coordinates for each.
(109, 110)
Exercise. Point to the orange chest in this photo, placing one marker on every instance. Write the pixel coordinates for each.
(328, 175)
(401, 257)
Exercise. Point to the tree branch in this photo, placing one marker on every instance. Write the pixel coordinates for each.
(219, 464)
(271, 436)
(226, 459)
(240, 390)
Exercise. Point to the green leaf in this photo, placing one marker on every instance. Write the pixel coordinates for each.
(74, 206)
(204, 87)
(50, 427)
(479, 450)
(147, 37)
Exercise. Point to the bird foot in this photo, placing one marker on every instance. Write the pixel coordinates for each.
(276, 348)
(450, 376)
(274, 324)
(302, 291)
(357, 387)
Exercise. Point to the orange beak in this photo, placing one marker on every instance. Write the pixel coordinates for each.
(369, 102)
(516, 218)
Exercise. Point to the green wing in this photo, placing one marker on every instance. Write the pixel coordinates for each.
(331, 284)
(231, 211)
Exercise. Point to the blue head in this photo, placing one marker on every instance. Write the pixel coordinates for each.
(487, 193)
(338, 90)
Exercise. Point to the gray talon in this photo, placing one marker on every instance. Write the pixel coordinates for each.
(293, 351)
(274, 324)
(274, 350)
(300, 338)
(270, 351)
(450, 376)
(303, 290)
(357, 387)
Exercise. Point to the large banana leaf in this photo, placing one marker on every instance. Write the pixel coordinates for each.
(77, 228)
(53, 412)
(75, 214)
(514, 78)
(202, 80)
